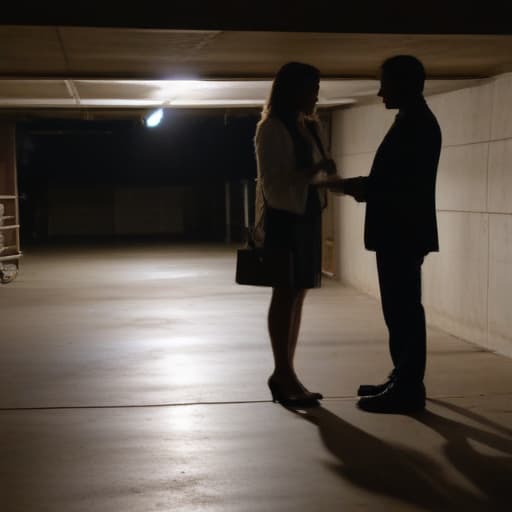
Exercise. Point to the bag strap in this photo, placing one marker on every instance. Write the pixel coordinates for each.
(249, 231)
(312, 129)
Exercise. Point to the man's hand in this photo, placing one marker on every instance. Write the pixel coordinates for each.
(355, 187)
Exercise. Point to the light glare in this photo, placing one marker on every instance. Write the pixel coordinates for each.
(154, 118)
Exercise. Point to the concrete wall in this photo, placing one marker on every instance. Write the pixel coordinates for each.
(468, 284)
(103, 210)
(194, 212)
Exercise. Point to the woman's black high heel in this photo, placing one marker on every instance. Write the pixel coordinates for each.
(305, 400)
(315, 395)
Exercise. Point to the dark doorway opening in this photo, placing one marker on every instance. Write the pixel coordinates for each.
(118, 179)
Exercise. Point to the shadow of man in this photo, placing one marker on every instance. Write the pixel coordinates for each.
(389, 469)
(465, 448)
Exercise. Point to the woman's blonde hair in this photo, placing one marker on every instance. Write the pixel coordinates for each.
(284, 103)
(290, 81)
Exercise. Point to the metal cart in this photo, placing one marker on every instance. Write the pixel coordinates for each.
(10, 252)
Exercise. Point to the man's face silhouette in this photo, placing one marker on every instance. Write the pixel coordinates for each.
(390, 91)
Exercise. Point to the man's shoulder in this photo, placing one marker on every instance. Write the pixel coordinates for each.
(421, 122)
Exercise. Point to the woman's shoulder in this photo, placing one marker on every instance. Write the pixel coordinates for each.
(270, 125)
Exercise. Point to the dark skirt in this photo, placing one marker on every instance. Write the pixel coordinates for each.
(302, 235)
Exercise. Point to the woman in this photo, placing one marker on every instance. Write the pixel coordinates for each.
(290, 158)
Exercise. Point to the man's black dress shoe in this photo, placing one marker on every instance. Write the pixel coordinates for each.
(376, 389)
(372, 389)
(395, 399)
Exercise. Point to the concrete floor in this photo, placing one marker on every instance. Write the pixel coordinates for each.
(133, 379)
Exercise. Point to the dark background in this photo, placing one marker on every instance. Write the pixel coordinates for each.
(195, 152)
(363, 16)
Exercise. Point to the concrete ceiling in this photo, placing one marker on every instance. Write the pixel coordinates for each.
(97, 67)
(91, 52)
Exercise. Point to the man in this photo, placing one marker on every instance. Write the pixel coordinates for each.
(400, 226)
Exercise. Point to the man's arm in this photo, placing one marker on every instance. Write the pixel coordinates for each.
(355, 187)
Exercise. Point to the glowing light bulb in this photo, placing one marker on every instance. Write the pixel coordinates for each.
(154, 118)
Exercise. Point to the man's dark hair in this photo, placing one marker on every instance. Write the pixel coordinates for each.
(406, 70)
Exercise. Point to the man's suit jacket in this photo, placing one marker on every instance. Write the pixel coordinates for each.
(400, 190)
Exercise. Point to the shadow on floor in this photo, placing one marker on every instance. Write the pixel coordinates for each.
(414, 477)
(466, 448)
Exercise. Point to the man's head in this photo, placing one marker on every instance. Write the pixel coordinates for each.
(402, 78)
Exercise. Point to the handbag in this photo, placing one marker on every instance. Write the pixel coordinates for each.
(259, 266)
(264, 266)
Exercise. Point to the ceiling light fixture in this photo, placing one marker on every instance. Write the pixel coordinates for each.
(154, 118)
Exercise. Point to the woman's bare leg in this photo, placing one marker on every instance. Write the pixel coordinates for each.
(295, 327)
(294, 334)
(284, 324)
(281, 326)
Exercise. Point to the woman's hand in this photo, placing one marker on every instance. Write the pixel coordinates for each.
(327, 165)
(333, 183)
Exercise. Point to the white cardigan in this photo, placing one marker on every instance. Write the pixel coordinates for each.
(279, 182)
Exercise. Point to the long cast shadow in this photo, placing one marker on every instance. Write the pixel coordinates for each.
(405, 474)
(491, 472)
